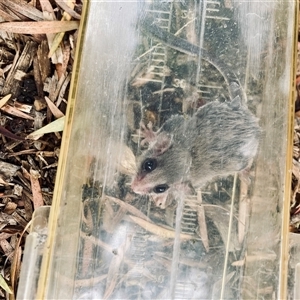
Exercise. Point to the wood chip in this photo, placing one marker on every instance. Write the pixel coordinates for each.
(7, 249)
(36, 189)
(10, 208)
(43, 60)
(23, 64)
(8, 170)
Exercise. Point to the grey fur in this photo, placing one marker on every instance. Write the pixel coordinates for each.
(220, 139)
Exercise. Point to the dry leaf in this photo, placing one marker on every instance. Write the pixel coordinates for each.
(7, 16)
(68, 9)
(62, 90)
(3, 181)
(40, 27)
(202, 223)
(15, 112)
(49, 15)
(4, 100)
(23, 107)
(47, 8)
(4, 285)
(59, 37)
(9, 134)
(15, 266)
(128, 207)
(158, 230)
(126, 162)
(23, 8)
(55, 111)
(55, 126)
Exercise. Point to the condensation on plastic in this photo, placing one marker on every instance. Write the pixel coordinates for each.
(102, 244)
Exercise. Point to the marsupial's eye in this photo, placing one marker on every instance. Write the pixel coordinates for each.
(160, 188)
(149, 165)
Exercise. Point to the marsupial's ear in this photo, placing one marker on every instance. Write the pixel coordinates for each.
(236, 103)
(162, 144)
(236, 90)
